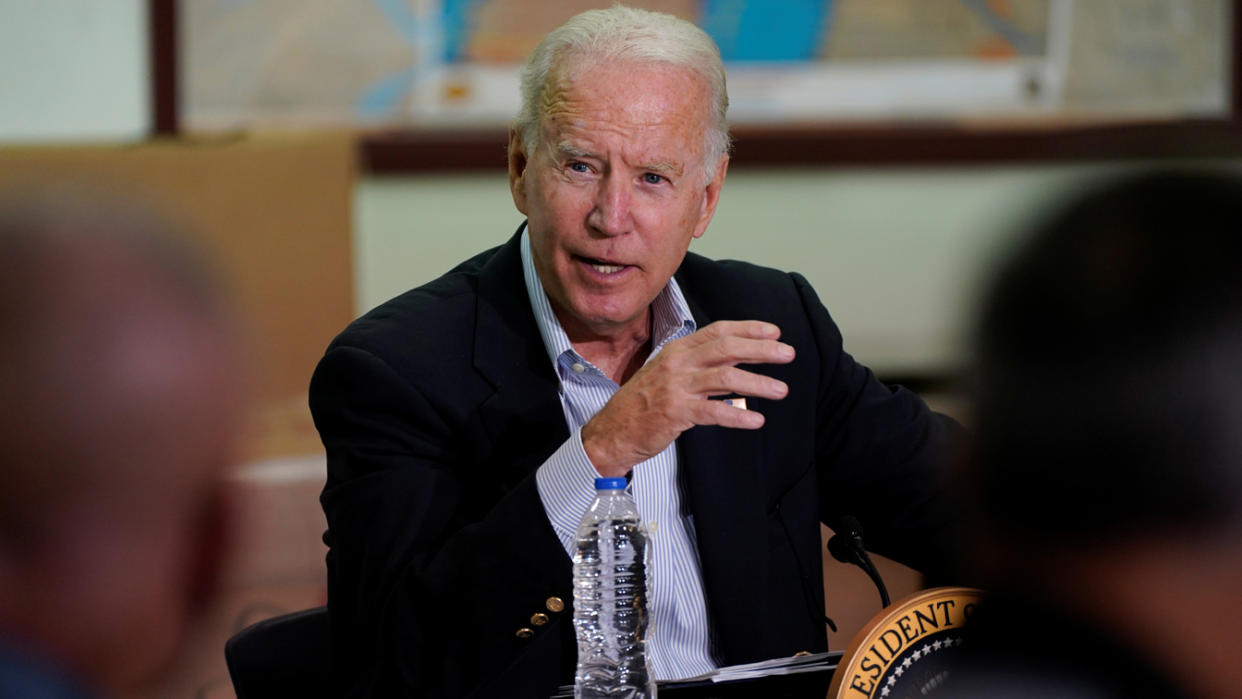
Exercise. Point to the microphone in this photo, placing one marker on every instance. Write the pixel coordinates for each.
(846, 545)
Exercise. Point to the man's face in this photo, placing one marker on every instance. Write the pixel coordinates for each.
(614, 191)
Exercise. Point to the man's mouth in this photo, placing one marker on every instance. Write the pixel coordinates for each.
(602, 266)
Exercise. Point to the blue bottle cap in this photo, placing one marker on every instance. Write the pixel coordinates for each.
(610, 484)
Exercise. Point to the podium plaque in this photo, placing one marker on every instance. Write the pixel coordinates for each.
(907, 648)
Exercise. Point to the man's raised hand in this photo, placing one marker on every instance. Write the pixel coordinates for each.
(673, 392)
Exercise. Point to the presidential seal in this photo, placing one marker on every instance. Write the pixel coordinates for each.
(908, 649)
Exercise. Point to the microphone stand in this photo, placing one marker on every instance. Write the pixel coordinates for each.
(846, 545)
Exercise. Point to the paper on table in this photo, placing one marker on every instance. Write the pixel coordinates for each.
(764, 668)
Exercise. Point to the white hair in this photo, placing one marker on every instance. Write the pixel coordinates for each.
(627, 34)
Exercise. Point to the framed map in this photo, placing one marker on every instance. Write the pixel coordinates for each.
(432, 84)
(432, 63)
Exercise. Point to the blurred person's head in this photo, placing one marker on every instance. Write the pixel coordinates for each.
(1108, 404)
(120, 409)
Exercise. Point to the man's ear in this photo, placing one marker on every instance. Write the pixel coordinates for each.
(711, 196)
(517, 169)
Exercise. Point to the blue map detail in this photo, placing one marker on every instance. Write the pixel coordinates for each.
(380, 99)
(755, 30)
(402, 18)
(457, 27)
(1022, 42)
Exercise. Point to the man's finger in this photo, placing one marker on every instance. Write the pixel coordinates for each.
(729, 379)
(718, 412)
(742, 350)
(754, 329)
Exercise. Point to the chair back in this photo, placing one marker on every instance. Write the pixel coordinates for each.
(285, 656)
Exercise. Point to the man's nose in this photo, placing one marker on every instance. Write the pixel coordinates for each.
(611, 213)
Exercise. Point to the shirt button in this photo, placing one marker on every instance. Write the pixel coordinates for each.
(652, 527)
(578, 367)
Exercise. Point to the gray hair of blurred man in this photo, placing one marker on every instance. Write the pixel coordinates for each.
(625, 34)
(122, 395)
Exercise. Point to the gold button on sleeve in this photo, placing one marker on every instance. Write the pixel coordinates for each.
(539, 619)
(525, 633)
(555, 604)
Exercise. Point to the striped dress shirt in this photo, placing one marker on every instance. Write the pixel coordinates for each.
(678, 639)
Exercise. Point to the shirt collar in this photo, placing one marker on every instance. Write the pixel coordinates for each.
(671, 317)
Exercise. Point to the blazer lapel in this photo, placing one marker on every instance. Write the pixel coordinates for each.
(524, 417)
(721, 480)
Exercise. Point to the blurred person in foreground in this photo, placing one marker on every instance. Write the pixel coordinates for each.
(121, 394)
(1108, 476)
(465, 421)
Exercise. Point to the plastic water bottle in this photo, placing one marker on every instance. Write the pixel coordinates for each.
(610, 598)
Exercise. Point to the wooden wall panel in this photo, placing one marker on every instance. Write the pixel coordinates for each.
(275, 212)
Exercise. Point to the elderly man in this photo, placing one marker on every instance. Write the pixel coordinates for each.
(466, 420)
(121, 411)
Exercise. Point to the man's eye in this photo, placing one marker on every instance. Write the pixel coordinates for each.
(652, 178)
(578, 166)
